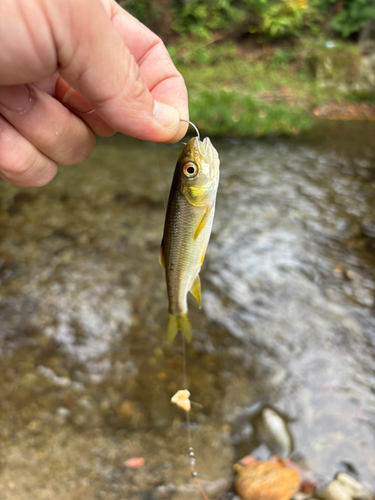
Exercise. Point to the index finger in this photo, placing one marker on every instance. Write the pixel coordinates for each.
(163, 80)
(94, 59)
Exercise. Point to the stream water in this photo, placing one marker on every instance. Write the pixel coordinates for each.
(287, 319)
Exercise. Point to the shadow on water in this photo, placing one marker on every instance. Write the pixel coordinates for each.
(287, 319)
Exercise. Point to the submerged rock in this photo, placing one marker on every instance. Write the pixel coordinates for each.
(264, 428)
(272, 430)
(345, 487)
(266, 481)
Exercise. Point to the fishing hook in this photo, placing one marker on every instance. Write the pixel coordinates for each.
(192, 124)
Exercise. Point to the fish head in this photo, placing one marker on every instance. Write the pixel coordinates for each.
(198, 168)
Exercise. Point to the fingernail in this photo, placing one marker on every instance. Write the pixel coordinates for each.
(16, 98)
(165, 115)
(77, 102)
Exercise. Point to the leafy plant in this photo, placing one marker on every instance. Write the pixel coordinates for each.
(288, 18)
(141, 9)
(201, 18)
(353, 17)
(275, 18)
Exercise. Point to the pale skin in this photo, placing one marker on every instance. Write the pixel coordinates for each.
(70, 69)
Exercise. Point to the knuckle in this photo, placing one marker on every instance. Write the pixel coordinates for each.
(71, 143)
(16, 164)
(79, 151)
(139, 90)
(16, 155)
(27, 170)
(56, 140)
(20, 162)
(43, 178)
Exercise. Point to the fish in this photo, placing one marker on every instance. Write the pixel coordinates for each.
(187, 228)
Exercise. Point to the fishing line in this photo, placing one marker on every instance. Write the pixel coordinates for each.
(194, 474)
(160, 177)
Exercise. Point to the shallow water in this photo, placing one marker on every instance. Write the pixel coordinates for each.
(287, 319)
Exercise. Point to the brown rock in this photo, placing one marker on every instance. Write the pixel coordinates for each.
(126, 410)
(266, 481)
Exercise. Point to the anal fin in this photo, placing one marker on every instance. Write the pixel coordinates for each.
(195, 289)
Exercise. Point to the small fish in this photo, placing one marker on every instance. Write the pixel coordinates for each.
(187, 229)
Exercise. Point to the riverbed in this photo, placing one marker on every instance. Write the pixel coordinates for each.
(287, 319)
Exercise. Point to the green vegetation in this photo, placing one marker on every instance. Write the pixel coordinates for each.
(353, 17)
(270, 18)
(236, 90)
(259, 67)
(238, 114)
(235, 95)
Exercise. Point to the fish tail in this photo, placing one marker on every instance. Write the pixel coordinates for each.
(176, 323)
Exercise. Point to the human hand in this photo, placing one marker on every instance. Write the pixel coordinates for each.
(121, 73)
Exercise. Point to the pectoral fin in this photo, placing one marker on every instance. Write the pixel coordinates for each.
(202, 222)
(195, 289)
(161, 254)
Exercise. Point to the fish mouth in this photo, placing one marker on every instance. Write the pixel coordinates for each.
(207, 150)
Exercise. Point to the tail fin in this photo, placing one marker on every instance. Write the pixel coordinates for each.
(176, 323)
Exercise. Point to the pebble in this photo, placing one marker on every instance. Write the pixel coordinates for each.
(63, 412)
(354, 487)
(344, 487)
(126, 409)
(134, 463)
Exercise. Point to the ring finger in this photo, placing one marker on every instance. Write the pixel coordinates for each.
(46, 124)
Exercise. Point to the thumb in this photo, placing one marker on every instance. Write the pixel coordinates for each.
(95, 61)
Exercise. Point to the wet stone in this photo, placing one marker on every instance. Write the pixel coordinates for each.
(20, 201)
(345, 487)
(266, 480)
(126, 410)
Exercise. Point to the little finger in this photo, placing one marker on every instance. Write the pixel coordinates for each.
(21, 163)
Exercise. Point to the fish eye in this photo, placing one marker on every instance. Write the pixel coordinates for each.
(190, 169)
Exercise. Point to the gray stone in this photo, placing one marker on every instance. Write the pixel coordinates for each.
(344, 487)
(334, 491)
(354, 487)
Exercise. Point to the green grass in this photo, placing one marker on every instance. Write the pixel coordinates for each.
(240, 114)
(241, 92)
